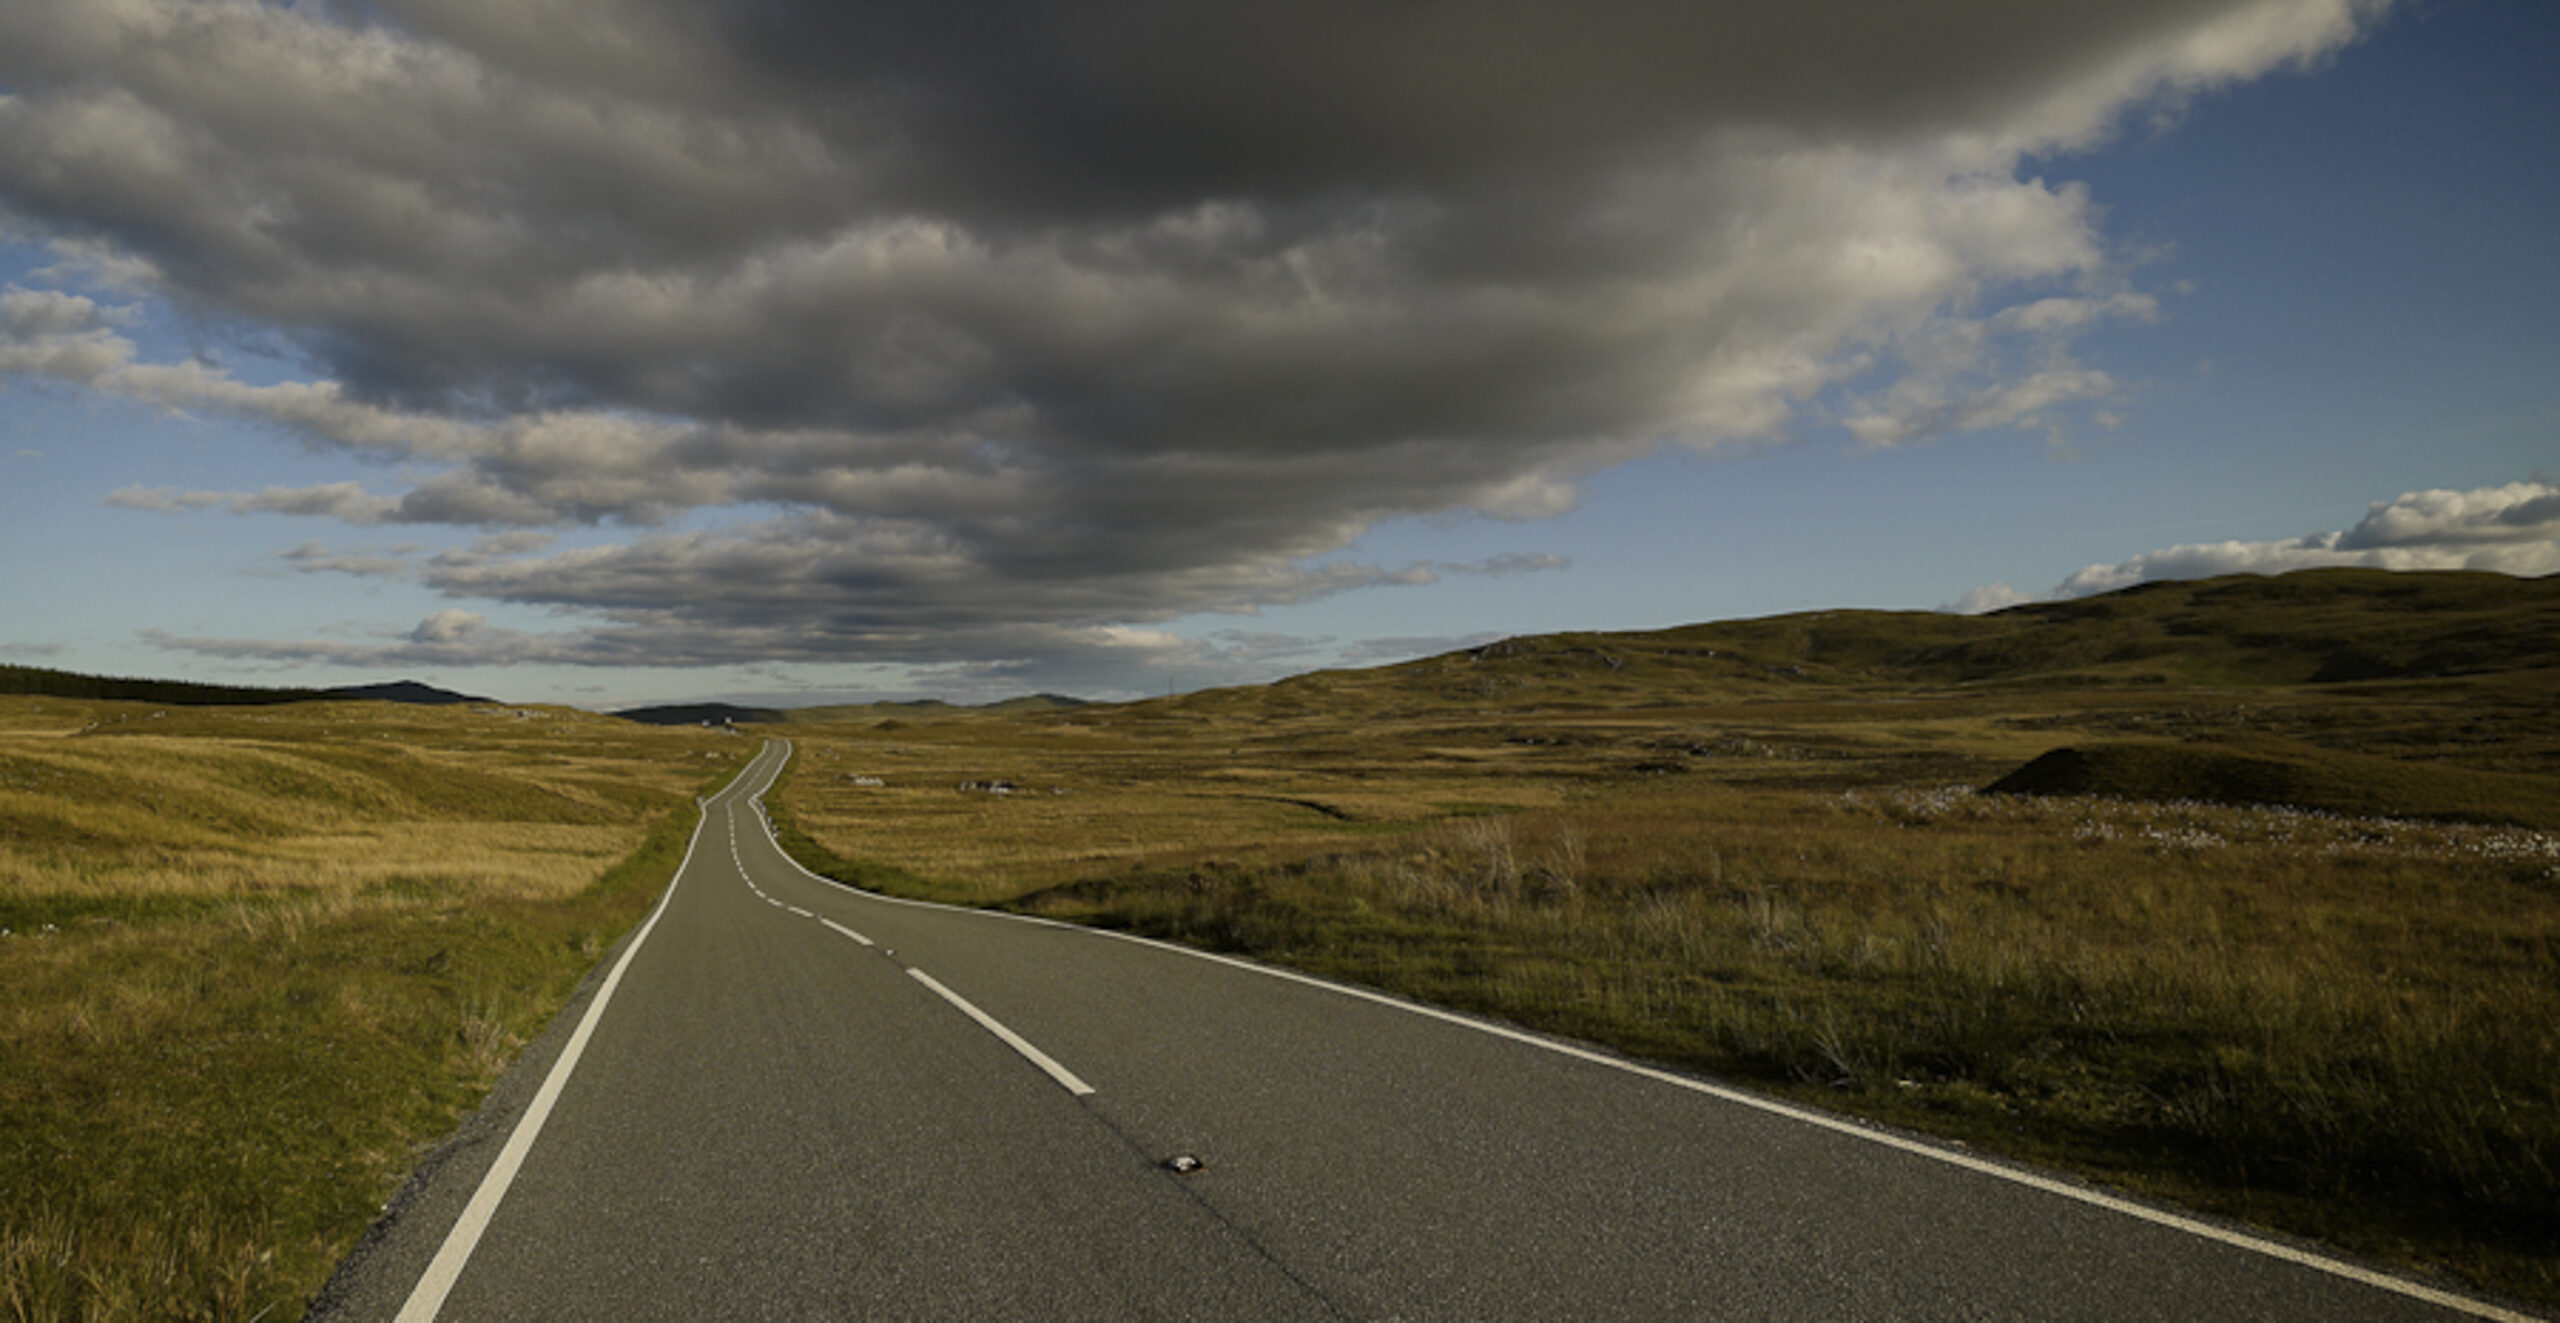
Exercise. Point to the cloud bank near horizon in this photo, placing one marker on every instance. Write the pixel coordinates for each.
(2509, 529)
(999, 335)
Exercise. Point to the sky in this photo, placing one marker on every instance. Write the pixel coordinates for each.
(609, 352)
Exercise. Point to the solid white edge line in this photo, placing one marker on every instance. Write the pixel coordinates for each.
(1853, 1129)
(446, 1268)
(1856, 1130)
(1011, 1039)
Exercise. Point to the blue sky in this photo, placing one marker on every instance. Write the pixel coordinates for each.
(2163, 300)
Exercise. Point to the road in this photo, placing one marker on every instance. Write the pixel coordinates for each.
(792, 1100)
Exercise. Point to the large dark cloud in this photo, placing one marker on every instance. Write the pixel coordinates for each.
(1133, 108)
(1108, 312)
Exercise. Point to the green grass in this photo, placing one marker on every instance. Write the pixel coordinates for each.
(819, 859)
(231, 1097)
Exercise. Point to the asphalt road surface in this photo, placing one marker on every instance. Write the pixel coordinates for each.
(787, 1099)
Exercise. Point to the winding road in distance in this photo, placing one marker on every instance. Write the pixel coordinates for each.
(792, 1100)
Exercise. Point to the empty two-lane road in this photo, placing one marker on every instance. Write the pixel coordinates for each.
(792, 1100)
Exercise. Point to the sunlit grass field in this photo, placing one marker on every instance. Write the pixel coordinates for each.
(253, 959)
(1704, 848)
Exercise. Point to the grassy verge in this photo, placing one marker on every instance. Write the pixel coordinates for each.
(824, 862)
(213, 1084)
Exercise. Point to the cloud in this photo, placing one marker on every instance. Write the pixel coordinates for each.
(444, 638)
(2511, 529)
(815, 587)
(450, 627)
(62, 336)
(1507, 564)
(1382, 650)
(316, 558)
(805, 590)
(1926, 405)
(166, 500)
(2519, 516)
(495, 546)
(346, 501)
(1987, 598)
(1031, 321)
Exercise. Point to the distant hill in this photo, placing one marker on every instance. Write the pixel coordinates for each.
(2311, 627)
(1034, 703)
(2425, 694)
(701, 714)
(403, 691)
(37, 680)
(935, 707)
(716, 714)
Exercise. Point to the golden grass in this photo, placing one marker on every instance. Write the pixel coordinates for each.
(515, 860)
(1080, 801)
(252, 959)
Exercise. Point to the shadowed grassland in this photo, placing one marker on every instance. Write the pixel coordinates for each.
(254, 959)
(2294, 956)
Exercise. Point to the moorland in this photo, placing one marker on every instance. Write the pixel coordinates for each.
(2243, 894)
(256, 956)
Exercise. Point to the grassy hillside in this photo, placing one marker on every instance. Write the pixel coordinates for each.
(253, 958)
(37, 681)
(933, 708)
(41, 682)
(700, 714)
(2281, 938)
(2315, 627)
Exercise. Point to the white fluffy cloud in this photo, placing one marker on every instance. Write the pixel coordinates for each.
(1125, 313)
(2510, 529)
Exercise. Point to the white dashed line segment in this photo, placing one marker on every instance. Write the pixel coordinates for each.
(1011, 1039)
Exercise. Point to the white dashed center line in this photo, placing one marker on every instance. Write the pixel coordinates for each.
(1048, 1064)
(1011, 1039)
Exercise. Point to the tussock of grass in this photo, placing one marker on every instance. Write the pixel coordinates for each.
(241, 991)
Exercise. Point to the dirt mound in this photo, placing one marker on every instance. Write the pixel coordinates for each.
(2321, 779)
(2137, 771)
